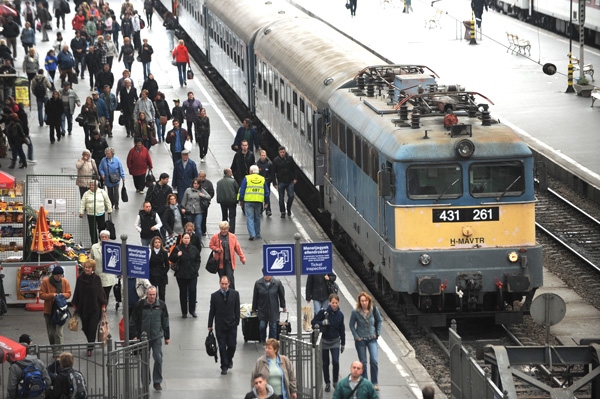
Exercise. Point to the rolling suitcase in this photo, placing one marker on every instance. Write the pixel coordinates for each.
(250, 328)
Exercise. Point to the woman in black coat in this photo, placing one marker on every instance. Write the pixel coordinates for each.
(89, 301)
(162, 106)
(317, 290)
(54, 111)
(173, 221)
(186, 259)
(159, 266)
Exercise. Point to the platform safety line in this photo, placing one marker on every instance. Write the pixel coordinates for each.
(411, 382)
(299, 227)
(547, 147)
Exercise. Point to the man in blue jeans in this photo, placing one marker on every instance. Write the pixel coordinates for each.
(268, 298)
(284, 178)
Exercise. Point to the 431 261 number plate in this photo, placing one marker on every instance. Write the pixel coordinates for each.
(466, 215)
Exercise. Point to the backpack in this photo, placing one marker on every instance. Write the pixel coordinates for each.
(31, 383)
(211, 346)
(171, 24)
(39, 90)
(60, 310)
(142, 24)
(77, 388)
(65, 7)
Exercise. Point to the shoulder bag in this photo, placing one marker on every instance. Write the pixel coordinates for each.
(212, 265)
(355, 388)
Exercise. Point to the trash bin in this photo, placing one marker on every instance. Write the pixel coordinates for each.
(467, 25)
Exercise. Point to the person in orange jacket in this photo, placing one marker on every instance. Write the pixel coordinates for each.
(51, 287)
(182, 57)
(224, 246)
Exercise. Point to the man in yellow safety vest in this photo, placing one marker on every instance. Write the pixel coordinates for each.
(253, 191)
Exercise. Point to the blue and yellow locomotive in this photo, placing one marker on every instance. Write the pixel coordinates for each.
(446, 214)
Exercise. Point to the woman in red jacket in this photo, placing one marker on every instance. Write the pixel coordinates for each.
(181, 55)
(138, 162)
(224, 246)
(78, 21)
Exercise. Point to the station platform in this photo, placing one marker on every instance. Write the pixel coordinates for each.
(188, 372)
(561, 127)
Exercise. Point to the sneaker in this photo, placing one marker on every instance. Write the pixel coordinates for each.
(202, 160)
(258, 237)
(31, 161)
(251, 238)
(269, 213)
(223, 371)
(283, 215)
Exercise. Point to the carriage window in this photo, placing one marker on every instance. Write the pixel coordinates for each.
(505, 179)
(374, 164)
(288, 105)
(309, 122)
(295, 109)
(434, 181)
(365, 159)
(276, 91)
(335, 134)
(259, 75)
(302, 117)
(282, 96)
(357, 155)
(350, 143)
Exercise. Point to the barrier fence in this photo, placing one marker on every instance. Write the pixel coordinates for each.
(307, 356)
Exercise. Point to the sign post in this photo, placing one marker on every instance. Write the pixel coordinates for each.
(297, 262)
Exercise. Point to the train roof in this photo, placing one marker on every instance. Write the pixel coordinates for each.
(245, 18)
(315, 58)
(398, 141)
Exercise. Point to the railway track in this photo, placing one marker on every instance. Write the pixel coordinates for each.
(570, 226)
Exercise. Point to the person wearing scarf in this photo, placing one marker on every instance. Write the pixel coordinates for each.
(144, 130)
(52, 286)
(173, 222)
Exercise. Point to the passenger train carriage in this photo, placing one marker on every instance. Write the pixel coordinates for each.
(445, 216)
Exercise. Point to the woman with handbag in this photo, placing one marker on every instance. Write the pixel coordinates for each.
(112, 172)
(86, 171)
(144, 130)
(278, 370)
(138, 163)
(182, 58)
(173, 221)
(159, 267)
(163, 115)
(186, 263)
(192, 203)
(224, 246)
(88, 118)
(89, 301)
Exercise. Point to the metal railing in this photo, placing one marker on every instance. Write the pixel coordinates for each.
(122, 372)
(307, 356)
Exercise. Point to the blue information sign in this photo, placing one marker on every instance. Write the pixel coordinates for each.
(278, 259)
(111, 258)
(138, 261)
(317, 258)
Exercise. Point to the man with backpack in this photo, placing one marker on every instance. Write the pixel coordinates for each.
(53, 287)
(39, 88)
(69, 383)
(28, 377)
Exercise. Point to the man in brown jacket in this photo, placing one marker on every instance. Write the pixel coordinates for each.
(52, 286)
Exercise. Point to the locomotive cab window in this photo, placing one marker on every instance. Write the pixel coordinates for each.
(505, 179)
(434, 181)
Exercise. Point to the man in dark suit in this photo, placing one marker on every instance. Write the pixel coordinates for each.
(127, 99)
(225, 311)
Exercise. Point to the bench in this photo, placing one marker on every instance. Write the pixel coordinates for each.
(595, 95)
(517, 45)
(588, 69)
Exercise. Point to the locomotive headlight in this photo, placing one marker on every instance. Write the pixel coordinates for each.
(465, 148)
(425, 260)
(513, 257)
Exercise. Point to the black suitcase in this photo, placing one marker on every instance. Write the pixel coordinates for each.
(250, 329)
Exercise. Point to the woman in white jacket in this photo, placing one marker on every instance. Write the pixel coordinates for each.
(95, 203)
